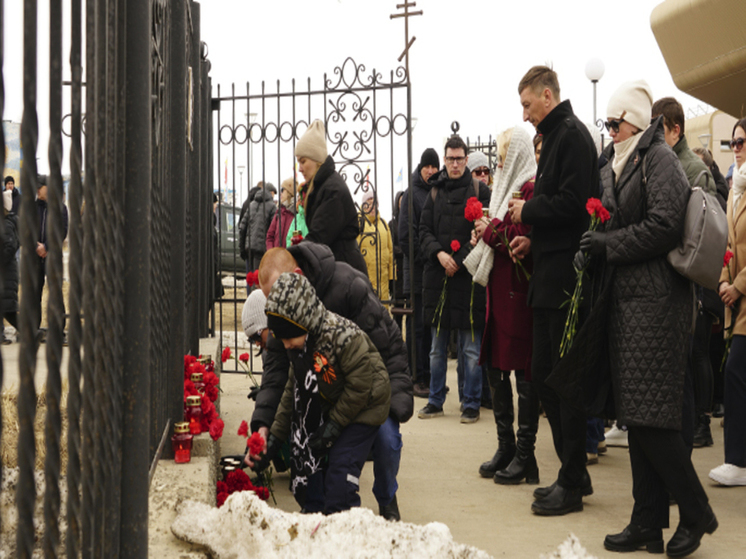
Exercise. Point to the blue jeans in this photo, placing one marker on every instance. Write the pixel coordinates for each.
(386, 457)
(468, 351)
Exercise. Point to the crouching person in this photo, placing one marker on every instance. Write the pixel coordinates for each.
(336, 398)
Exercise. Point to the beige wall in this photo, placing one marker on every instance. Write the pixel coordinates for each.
(720, 126)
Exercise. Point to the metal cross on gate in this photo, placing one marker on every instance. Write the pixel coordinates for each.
(407, 41)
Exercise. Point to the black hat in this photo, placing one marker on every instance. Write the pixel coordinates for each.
(283, 328)
(430, 157)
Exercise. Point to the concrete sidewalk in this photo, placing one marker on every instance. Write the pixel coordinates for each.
(439, 481)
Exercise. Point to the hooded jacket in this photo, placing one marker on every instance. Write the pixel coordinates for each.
(346, 292)
(277, 235)
(695, 169)
(332, 218)
(352, 378)
(441, 223)
(255, 222)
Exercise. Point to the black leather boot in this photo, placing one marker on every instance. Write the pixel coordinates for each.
(702, 433)
(502, 408)
(523, 466)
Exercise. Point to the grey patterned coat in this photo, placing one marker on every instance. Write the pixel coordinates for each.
(650, 312)
(352, 379)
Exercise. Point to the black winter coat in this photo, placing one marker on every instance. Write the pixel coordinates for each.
(9, 303)
(255, 222)
(420, 191)
(347, 292)
(332, 218)
(442, 222)
(566, 177)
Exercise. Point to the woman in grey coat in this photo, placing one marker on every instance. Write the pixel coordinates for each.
(648, 319)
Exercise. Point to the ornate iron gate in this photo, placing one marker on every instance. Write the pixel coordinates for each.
(368, 132)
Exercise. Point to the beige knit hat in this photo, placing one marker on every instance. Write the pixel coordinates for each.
(313, 143)
(633, 102)
(253, 318)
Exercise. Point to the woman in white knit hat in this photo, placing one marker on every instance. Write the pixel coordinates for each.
(507, 339)
(642, 318)
(331, 216)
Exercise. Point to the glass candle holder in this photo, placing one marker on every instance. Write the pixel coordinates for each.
(194, 414)
(181, 441)
(296, 238)
(198, 383)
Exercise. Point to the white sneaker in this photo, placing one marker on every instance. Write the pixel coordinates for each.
(616, 437)
(728, 474)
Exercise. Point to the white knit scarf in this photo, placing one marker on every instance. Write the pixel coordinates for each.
(518, 169)
(622, 152)
(739, 185)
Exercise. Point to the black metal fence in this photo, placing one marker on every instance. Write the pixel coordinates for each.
(368, 131)
(141, 255)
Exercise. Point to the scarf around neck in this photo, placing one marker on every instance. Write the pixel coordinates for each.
(622, 152)
(739, 185)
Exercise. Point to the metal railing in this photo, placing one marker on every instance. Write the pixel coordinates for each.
(140, 263)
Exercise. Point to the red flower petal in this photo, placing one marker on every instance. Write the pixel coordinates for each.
(255, 443)
(244, 357)
(216, 429)
(455, 245)
(243, 429)
(226, 354)
(727, 258)
(222, 496)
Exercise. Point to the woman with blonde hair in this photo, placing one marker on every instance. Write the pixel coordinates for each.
(331, 216)
(277, 231)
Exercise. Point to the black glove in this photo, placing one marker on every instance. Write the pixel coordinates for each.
(273, 447)
(580, 260)
(325, 436)
(253, 392)
(593, 242)
(244, 254)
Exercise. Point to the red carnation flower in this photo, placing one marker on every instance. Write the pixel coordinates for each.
(216, 429)
(244, 357)
(221, 498)
(243, 429)
(211, 392)
(210, 378)
(473, 210)
(226, 354)
(252, 278)
(237, 480)
(728, 257)
(455, 246)
(189, 359)
(189, 389)
(262, 493)
(222, 487)
(596, 210)
(255, 443)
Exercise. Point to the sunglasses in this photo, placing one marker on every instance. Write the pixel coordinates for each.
(737, 143)
(613, 125)
(482, 171)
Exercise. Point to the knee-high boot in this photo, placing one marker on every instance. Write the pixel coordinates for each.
(523, 464)
(502, 408)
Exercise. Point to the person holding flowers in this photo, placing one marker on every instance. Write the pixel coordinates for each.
(643, 317)
(732, 286)
(451, 302)
(507, 339)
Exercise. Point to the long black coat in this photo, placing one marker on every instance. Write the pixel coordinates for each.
(347, 292)
(420, 191)
(9, 303)
(442, 222)
(332, 218)
(566, 177)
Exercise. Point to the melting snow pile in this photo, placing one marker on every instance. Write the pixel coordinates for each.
(570, 549)
(246, 527)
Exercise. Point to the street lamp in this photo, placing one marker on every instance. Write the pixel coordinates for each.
(594, 71)
(240, 182)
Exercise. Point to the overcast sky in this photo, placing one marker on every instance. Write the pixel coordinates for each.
(466, 62)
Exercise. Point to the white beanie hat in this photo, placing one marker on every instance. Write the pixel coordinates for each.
(8, 200)
(633, 102)
(313, 143)
(478, 159)
(253, 318)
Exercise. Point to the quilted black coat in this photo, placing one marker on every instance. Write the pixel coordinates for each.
(443, 221)
(9, 301)
(650, 311)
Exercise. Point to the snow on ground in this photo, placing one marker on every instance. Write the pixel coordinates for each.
(246, 527)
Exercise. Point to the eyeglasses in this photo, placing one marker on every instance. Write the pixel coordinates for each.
(613, 125)
(458, 160)
(482, 171)
(737, 143)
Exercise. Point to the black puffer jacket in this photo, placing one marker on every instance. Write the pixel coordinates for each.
(9, 265)
(420, 191)
(650, 313)
(255, 222)
(331, 216)
(348, 293)
(441, 223)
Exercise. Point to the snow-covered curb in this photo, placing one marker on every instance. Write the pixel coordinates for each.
(246, 527)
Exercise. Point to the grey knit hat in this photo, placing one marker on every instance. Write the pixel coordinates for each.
(478, 159)
(313, 143)
(253, 318)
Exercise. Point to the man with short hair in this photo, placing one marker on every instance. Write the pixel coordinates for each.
(10, 184)
(451, 300)
(428, 167)
(567, 174)
(673, 125)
